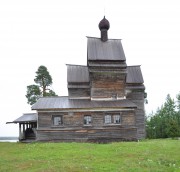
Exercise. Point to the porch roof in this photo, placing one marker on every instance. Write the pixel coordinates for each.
(27, 117)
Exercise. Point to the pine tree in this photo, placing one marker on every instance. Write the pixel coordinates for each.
(43, 82)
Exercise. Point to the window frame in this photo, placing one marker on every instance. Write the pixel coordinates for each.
(90, 121)
(53, 120)
(108, 119)
(114, 118)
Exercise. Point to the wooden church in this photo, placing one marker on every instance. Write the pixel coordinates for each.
(105, 99)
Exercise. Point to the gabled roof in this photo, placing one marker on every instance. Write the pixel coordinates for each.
(80, 74)
(134, 75)
(62, 103)
(77, 73)
(27, 117)
(110, 50)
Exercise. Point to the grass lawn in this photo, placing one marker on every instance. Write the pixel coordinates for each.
(148, 155)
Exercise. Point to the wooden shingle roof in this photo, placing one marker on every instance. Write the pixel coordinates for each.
(62, 103)
(111, 50)
(134, 75)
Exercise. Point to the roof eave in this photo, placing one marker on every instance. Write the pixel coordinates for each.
(87, 109)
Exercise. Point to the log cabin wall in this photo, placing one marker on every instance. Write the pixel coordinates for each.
(78, 92)
(74, 129)
(88, 135)
(107, 84)
(107, 88)
(137, 97)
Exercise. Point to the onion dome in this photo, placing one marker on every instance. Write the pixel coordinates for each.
(104, 24)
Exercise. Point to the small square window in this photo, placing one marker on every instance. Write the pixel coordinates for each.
(107, 119)
(57, 120)
(117, 119)
(87, 120)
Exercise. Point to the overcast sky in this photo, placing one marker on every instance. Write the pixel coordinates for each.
(53, 33)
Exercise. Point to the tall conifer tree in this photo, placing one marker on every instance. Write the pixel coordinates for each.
(43, 82)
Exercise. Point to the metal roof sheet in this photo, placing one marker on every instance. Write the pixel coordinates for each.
(134, 75)
(28, 117)
(76, 73)
(46, 103)
(110, 50)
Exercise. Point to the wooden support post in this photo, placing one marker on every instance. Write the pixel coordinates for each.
(23, 127)
(19, 131)
(23, 131)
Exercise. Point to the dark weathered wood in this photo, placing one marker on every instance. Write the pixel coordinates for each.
(73, 128)
(78, 92)
(137, 96)
(88, 135)
(107, 87)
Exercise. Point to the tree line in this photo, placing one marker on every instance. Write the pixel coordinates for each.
(165, 122)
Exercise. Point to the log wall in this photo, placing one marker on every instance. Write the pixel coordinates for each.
(137, 97)
(107, 88)
(73, 128)
(78, 92)
(88, 135)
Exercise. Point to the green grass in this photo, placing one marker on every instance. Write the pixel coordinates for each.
(147, 155)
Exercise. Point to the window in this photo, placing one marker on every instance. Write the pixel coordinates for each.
(57, 120)
(116, 119)
(112, 119)
(107, 119)
(87, 120)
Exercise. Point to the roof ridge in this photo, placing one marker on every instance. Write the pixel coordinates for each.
(133, 65)
(29, 113)
(100, 38)
(75, 65)
(52, 97)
